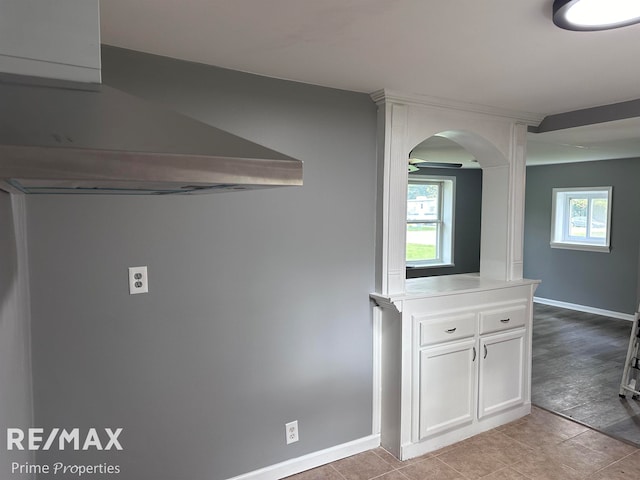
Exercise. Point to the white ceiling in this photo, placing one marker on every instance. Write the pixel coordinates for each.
(499, 53)
(602, 141)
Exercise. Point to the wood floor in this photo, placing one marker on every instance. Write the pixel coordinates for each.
(577, 366)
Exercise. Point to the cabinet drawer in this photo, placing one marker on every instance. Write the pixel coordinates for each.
(503, 318)
(447, 328)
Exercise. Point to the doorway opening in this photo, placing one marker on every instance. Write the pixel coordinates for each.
(444, 209)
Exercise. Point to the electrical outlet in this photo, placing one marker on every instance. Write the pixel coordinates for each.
(291, 430)
(138, 280)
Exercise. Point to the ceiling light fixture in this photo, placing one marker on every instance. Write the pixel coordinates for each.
(587, 15)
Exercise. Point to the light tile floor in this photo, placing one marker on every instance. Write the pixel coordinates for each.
(541, 446)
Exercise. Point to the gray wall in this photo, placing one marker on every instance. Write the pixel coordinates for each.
(15, 371)
(602, 280)
(258, 312)
(468, 215)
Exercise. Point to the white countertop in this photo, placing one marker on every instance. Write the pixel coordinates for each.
(416, 288)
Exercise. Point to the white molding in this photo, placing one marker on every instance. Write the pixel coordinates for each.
(376, 423)
(584, 308)
(385, 95)
(394, 207)
(585, 247)
(517, 181)
(312, 460)
(385, 301)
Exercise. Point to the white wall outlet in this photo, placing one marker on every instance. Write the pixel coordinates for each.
(291, 429)
(138, 280)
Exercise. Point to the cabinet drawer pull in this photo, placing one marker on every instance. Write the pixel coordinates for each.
(485, 351)
(505, 320)
(451, 330)
(474, 355)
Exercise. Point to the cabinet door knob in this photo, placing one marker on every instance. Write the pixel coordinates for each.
(474, 355)
(485, 351)
(505, 320)
(451, 330)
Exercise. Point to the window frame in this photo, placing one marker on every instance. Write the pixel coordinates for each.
(560, 218)
(445, 221)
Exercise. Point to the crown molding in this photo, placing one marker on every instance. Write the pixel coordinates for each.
(392, 96)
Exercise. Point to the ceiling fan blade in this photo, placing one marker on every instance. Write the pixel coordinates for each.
(437, 165)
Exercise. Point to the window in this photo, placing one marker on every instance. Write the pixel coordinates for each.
(581, 218)
(430, 221)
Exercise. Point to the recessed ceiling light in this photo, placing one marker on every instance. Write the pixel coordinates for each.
(595, 14)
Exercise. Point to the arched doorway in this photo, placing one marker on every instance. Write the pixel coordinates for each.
(497, 141)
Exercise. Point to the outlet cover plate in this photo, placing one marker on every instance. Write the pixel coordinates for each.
(291, 430)
(138, 280)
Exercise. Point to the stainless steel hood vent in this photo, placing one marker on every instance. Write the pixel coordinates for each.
(63, 137)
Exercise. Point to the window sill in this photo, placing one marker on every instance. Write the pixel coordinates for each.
(581, 246)
(432, 265)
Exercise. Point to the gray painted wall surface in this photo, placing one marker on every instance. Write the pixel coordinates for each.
(15, 371)
(258, 312)
(468, 215)
(602, 280)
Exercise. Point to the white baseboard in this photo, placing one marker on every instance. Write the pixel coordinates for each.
(312, 460)
(584, 308)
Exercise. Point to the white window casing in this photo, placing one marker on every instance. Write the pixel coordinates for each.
(440, 214)
(581, 218)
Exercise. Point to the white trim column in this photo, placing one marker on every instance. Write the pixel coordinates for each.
(517, 187)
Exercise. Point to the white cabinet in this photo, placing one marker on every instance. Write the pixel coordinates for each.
(447, 387)
(453, 364)
(463, 375)
(501, 372)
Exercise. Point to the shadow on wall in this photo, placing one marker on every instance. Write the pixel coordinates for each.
(8, 250)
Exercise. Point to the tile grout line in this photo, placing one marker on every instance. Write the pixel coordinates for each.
(446, 464)
(402, 463)
(402, 466)
(493, 457)
(505, 468)
(337, 471)
(393, 468)
(614, 462)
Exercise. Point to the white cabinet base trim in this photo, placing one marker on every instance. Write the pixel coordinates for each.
(413, 450)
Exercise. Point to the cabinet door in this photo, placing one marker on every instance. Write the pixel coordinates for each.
(447, 387)
(501, 381)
